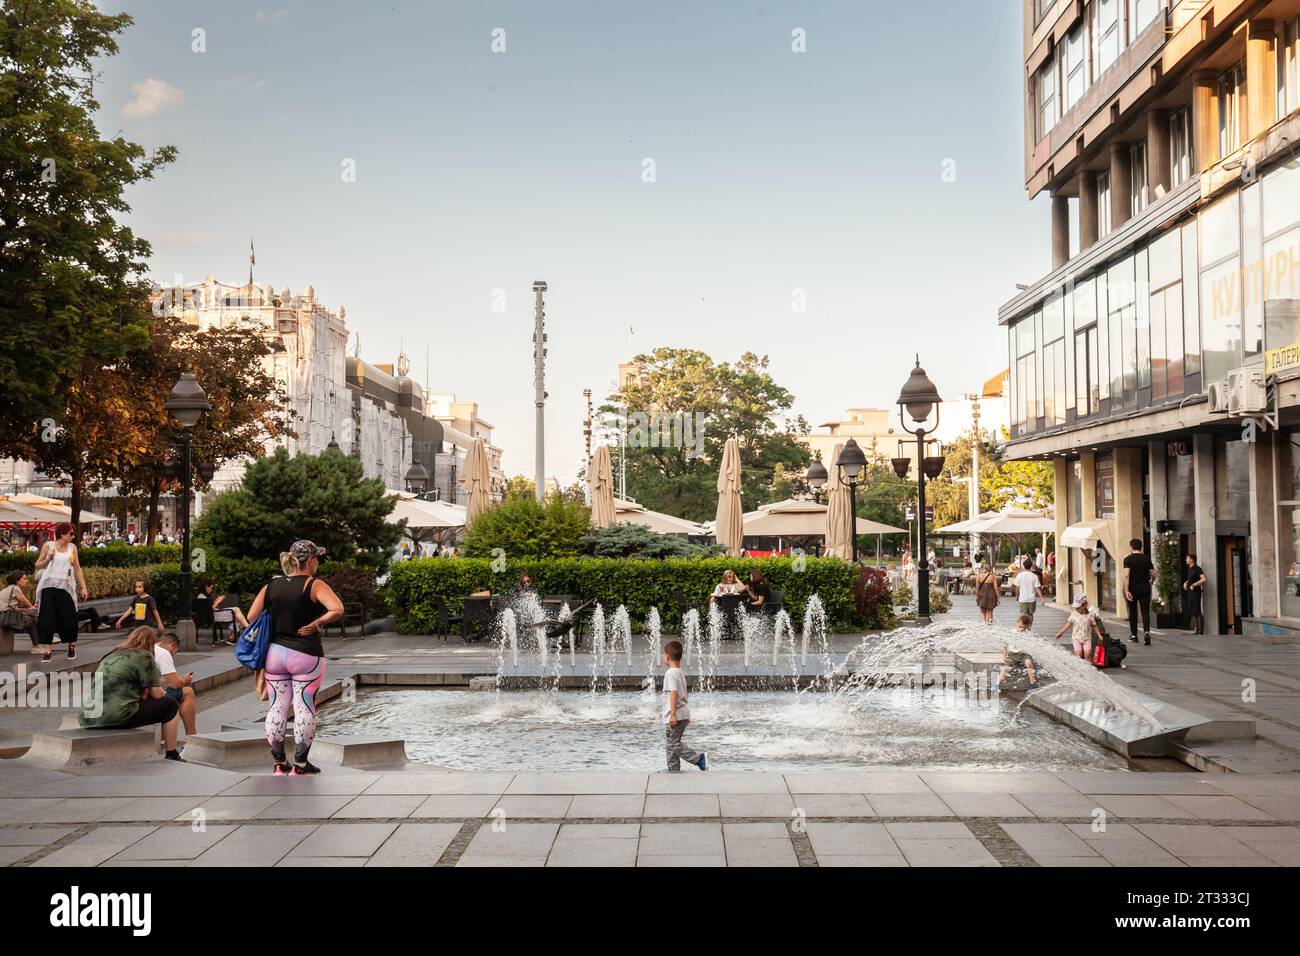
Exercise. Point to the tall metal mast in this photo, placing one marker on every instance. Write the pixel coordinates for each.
(539, 383)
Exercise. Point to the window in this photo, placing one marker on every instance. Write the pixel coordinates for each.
(1107, 30)
(1252, 302)
(1180, 487)
(1138, 174)
(1087, 392)
(1121, 305)
(1232, 95)
(1287, 93)
(1041, 9)
(1024, 368)
(1053, 365)
(1046, 98)
(1281, 292)
(1103, 204)
(1076, 66)
(1180, 147)
(1220, 247)
(1140, 15)
(1164, 257)
(1191, 302)
(1288, 524)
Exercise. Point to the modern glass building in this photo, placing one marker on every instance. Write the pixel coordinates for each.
(1158, 363)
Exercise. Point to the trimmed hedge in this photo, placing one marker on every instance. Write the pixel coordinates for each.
(637, 584)
(110, 556)
(243, 576)
(107, 582)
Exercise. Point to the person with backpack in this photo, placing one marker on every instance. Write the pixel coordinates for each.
(300, 606)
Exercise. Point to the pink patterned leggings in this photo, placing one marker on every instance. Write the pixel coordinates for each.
(293, 679)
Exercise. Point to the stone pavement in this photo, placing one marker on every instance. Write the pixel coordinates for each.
(183, 815)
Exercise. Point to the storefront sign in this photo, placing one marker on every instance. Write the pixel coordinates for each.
(1178, 448)
(1282, 359)
(1104, 482)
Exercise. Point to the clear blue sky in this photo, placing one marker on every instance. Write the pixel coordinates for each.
(476, 170)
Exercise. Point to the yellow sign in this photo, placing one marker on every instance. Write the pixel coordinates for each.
(1283, 359)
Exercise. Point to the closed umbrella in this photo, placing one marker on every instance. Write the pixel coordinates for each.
(838, 542)
(600, 478)
(729, 527)
(476, 481)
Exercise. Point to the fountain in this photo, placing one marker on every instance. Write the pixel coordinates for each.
(621, 632)
(814, 625)
(654, 646)
(507, 633)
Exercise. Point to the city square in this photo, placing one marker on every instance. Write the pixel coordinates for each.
(651, 434)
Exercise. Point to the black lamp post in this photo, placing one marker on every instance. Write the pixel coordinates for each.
(919, 397)
(817, 476)
(417, 479)
(186, 403)
(850, 463)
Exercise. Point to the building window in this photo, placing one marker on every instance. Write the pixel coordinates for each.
(1087, 393)
(1220, 253)
(1232, 96)
(1288, 524)
(1103, 204)
(1076, 66)
(1054, 361)
(1041, 9)
(1180, 147)
(1164, 262)
(1024, 341)
(1121, 305)
(1140, 15)
(1285, 58)
(1180, 487)
(1281, 292)
(1140, 198)
(1046, 98)
(1108, 31)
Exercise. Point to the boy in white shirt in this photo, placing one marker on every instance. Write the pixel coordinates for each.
(1030, 586)
(178, 688)
(676, 712)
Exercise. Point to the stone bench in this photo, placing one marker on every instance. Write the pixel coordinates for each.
(359, 752)
(227, 748)
(236, 746)
(59, 749)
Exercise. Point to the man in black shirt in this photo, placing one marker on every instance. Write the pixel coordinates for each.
(1139, 572)
(1195, 588)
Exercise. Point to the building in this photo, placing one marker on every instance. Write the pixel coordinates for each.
(1158, 363)
(872, 428)
(460, 425)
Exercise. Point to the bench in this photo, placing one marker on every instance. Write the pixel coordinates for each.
(60, 749)
(359, 752)
(109, 611)
(228, 748)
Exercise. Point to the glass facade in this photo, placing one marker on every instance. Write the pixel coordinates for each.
(1180, 488)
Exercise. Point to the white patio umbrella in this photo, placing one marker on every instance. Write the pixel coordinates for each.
(600, 480)
(838, 542)
(476, 481)
(729, 527)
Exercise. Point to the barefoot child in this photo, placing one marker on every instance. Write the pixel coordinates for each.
(1084, 623)
(676, 713)
(1018, 659)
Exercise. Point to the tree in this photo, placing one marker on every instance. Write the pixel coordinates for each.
(325, 497)
(681, 413)
(248, 405)
(620, 540)
(73, 300)
(523, 527)
(520, 486)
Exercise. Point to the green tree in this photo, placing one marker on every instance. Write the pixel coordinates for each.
(325, 497)
(525, 528)
(682, 387)
(620, 540)
(73, 299)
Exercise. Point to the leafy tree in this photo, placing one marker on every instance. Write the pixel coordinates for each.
(738, 399)
(73, 300)
(523, 527)
(520, 486)
(621, 540)
(325, 497)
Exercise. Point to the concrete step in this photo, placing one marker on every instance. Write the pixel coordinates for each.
(227, 748)
(60, 749)
(359, 752)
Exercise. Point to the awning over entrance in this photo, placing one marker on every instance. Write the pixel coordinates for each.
(1084, 535)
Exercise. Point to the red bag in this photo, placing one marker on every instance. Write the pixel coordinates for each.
(1099, 655)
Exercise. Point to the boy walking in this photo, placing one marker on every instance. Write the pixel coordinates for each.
(676, 712)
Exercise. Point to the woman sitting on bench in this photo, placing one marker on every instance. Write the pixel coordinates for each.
(133, 694)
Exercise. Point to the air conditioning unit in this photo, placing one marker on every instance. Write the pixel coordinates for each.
(1217, 393)
(1246, 392)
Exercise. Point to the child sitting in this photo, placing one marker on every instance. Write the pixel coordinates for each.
(1018, 659)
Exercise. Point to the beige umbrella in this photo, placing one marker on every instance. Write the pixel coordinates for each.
(630, 512)
(600, 479)
(476, 481)
(729, 527)
(838, 542)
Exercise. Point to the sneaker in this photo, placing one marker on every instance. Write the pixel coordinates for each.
(1147, 642)
(45, 658)
(72, 652)
(304, 769)
(57, 639)
(1133, 639)
(174, 755)
(703, 764)
(282, 769)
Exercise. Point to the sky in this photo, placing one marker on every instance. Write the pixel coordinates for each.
(674, 168)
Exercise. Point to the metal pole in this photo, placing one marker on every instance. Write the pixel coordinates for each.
(184, 626)
(853, 517)
(539, 385)
(923, 566)
(975, 473)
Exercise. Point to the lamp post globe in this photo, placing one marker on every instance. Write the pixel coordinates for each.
(417, 478)
(187, 401)
(850, 462)
(817, 475)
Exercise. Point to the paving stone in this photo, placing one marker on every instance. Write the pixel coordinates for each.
(761, 853)
(945, 852)
(1218, 808)
(929, 831)
(459, 781)
(624, 805)
(137, 809)
(524, 840)
(321, 861)
(33, 836)
(1047, 840)
(856, 781)
(862, 860)
(175, 843)
(1121, 782)
(754, 831)
(997, 781)
(482, 860)
(1196, 840)
(667, 839)
(690, 780)
(24, 809)
(593, 852)
(255, 846)
(756, 804)
(76, 810)
(600, 831)
(1139, 807)
(573, 783)
(304, 808)
(415, 844)
(379, 806)
(1269, 835)
(1072, 861)
(331, 783)
(1278, 807)
(984, 804)
(1057, 804)
(345, 839)
(456, 805)
(850, 839)
(681, 861)
(10, 855)
(228, 808)
(833, 805)
(681, 805)
(533, 805)
(908, 805)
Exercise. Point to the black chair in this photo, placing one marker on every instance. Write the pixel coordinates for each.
(774, 601)
(446, 618)
(478, 614)
(729, 605)
(684, 607)
(354, 613)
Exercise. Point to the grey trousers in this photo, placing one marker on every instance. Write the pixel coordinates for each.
(676, 752)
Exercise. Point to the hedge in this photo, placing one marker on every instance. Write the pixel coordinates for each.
(107, 582)
(637, 584)
(243, 576)
(109, 556)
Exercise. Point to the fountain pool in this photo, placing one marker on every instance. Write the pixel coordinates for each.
(886, 727)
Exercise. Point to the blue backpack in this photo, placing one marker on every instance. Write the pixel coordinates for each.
(251, 648)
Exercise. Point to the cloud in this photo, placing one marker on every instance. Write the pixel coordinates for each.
(152, 97)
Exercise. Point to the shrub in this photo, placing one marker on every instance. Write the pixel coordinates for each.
(636, 583)
(874, 599)
(107, 582)
(620, 540)
(242, 576)
(524, 528)
(355, 586)
(109, 556)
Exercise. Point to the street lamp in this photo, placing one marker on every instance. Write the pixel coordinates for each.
(417, 478)
(186, 403)
(919, 398)
(850, 463)
(817, 475)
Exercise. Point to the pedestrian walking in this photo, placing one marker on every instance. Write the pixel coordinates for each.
(986, 592)
(676, 713)
(1030, 588)
(59, 581)
(1139, 572)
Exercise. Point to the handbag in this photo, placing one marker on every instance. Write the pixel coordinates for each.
(251, 648)
(14, 621)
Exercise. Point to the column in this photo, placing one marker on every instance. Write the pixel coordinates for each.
(1060, 230)
(1158, 152)
(1261, 80)
(1061, 486)
(1088, 481)
(1121, 185)
(1158, 461)
(1265, 599)
(1128, 513)
(1087, 209)
(1206, 542)
(1205, 121)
